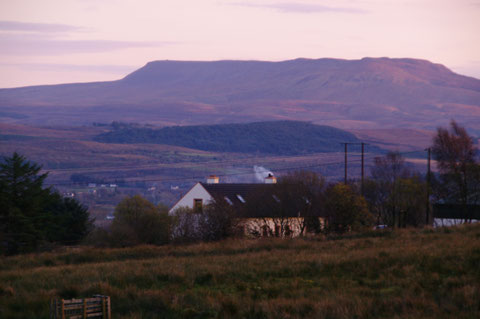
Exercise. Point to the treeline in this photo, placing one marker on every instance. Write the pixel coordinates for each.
(278, 138)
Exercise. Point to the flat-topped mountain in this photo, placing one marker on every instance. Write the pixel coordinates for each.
(366, 93)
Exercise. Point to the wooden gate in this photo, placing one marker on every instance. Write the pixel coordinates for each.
(96, 307)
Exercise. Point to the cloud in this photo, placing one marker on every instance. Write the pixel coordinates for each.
(38, 27)
(295, 7)
(57, 67)
(33, 44)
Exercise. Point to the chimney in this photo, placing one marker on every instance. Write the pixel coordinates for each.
(270, 179)
(212, 179)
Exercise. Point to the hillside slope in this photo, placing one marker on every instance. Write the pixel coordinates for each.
(366, 93)
(278, 138)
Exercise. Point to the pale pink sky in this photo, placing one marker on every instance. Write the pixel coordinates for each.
(63, 41)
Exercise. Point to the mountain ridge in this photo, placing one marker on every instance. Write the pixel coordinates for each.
(365, 93)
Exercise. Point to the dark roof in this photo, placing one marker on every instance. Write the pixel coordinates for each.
(238, 195)
(231, 191)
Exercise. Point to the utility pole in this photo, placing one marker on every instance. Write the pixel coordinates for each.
(346, 144)
(427, 221)
(363, 161)
(363, 164)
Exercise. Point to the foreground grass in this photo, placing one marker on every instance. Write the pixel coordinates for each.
(402, 274)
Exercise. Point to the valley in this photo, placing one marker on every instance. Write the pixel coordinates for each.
(100, 174)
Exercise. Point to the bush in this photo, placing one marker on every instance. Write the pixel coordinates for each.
(345, 210)
(137, 221)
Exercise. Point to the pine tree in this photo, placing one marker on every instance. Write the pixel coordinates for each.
(31, 214)
(21, 200)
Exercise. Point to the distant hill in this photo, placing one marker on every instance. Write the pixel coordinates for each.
(368, 93)
(276, 138)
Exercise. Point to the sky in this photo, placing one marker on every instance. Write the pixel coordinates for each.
(66, 41)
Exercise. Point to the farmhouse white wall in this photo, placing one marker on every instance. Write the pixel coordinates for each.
(187, 200)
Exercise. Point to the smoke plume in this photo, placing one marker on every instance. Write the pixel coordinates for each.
(261, 173)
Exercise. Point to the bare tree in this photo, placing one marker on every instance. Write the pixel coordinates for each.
(218, 220)
(457, 161)
(395, 193)
(302, 192)
(386, 174)
(185, 225)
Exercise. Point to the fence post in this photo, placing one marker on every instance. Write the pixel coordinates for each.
(104, 313)
(63, 309)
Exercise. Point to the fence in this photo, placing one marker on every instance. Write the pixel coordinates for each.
(96, 307)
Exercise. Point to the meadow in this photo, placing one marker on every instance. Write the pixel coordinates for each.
(418, 273)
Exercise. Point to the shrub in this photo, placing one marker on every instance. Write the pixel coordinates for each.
(137, 221)
(345, 210)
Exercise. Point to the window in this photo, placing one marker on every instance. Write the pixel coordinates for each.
(197, 205)
(240, 198)
(228, 201)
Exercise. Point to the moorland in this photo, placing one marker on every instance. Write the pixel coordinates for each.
(413, 273)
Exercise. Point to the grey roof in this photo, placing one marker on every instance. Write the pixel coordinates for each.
(231, 191)
(239, 195)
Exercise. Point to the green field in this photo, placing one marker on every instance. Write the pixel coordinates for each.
(401, 274)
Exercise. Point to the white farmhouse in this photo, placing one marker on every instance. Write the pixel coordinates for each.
(237, 195)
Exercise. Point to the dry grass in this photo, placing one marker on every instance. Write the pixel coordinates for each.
(405, 274)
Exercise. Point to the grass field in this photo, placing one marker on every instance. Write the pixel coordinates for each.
(402, 274)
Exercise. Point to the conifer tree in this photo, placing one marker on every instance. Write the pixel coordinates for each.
(31, 214)
(21, 200)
